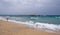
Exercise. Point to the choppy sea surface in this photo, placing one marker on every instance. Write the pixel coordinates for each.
(45, 23)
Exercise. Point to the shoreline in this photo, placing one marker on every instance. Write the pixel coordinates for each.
(34, 27)
(19, 29)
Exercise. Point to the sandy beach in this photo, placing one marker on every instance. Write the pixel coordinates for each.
(9, 28)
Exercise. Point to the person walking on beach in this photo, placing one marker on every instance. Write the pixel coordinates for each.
(7, 19)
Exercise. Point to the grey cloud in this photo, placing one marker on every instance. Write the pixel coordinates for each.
(29, 6)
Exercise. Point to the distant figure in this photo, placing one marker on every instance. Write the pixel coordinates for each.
(7, 19)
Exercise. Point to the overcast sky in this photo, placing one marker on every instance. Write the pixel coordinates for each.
(26, 7)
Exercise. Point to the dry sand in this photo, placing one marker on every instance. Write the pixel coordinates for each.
(9, 28)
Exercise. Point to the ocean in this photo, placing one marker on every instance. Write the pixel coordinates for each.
(49, 23)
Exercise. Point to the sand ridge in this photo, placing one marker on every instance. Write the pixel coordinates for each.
(9, 28)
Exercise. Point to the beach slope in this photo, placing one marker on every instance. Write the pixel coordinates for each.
(9, 28)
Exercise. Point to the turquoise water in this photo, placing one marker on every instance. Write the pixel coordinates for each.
(50, 20)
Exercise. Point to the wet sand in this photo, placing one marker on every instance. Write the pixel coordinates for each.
(9, 28)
